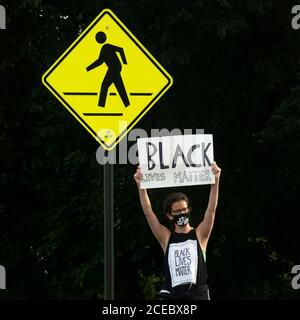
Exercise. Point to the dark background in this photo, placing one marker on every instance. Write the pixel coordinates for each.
(236, 71)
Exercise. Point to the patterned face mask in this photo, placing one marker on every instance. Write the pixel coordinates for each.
(181, 219)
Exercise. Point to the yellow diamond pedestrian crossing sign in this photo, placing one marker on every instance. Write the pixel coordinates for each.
(107, 79)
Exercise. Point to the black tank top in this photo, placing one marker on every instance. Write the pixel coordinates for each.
(184, 265)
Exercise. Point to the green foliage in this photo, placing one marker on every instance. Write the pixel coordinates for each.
(150, 285)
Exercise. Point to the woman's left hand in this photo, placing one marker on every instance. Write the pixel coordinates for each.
(216, 170)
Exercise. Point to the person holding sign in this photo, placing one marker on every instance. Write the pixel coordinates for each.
(185, 247)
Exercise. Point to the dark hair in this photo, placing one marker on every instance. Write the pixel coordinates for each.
(174, 197)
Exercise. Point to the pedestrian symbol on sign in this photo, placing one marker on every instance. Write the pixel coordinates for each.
(108, 55)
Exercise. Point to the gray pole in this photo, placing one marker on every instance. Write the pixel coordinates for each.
(108, 175)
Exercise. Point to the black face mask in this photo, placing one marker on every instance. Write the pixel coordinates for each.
(181, 219)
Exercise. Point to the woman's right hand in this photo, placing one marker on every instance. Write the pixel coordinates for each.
(138, 176)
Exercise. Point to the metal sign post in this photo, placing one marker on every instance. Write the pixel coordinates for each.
(108, 188)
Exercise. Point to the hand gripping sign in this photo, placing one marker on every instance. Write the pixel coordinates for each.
(176, 160)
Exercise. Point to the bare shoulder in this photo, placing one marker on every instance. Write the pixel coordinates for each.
(161, 233)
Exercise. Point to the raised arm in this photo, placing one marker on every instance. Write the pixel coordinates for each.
(204, 228)
(161, 233)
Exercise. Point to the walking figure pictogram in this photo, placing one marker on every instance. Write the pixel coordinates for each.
(108, 55)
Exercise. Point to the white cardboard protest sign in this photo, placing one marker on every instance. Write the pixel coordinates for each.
(173, 161)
